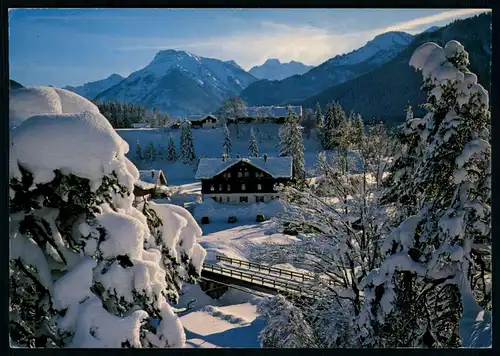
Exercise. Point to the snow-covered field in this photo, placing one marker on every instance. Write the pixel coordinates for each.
(208, 143)
(232, 320)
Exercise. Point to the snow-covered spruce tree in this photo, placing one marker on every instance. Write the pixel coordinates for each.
(339, 246)
(358, 130)
(449, 239)
(171, 152)
(320, 126)
(150, 153)
(336, 133)
(292, 144)
(87, 269)
(226, 145)
(328, 128)
(253, 145)
(187, 143)
(138, 153)
(321, 163)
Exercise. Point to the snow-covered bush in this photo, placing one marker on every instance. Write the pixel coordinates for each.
(87, 269)
(444, 171)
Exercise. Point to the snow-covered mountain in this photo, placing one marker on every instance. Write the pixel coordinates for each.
(234, 64)
(273, 69)
(382, 48)
(181, 83)
(91, 89)
(334, 71)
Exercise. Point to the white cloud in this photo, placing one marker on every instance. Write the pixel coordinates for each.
(310, 45)
(412, 25)
(307, 44)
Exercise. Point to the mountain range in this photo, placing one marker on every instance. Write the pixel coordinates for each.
(273, 69)
(180, 83)
(374, 80)
(334, 71)
(92, 89)
(385, 91)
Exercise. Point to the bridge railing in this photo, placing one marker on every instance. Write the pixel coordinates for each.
(280, 272)
(253, 278)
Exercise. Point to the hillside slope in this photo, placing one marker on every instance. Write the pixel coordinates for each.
(336, 70)
(386, 91)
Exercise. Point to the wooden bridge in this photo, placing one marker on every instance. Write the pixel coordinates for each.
(261, 278)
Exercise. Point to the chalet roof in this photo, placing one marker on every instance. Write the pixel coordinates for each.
(272, 111)
(277, 167)
(200, 117)
(147, 180)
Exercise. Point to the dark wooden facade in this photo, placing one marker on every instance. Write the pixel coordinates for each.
(242, 173)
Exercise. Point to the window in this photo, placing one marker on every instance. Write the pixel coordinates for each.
(243, 186)
(212, 188)
(240, 174)
(247, 174)
(259, 186)
(229, 174)
(228, 187)
(228, 200)
(243, 199)
(220, 187)
(259, 199)
(220, 199)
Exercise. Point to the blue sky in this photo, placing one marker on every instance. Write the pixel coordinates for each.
(72, 46)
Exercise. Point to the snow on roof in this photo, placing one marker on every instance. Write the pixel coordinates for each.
(31, 101)
(277, 167)
(147, 177)
(201, 117)
(272, 111)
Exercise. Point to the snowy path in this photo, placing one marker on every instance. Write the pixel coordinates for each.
(219, 327)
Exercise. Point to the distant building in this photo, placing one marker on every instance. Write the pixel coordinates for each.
(150, 182)
(243, 180)
(268, 114)
(273, 111)
(141, 125)
(204, 121)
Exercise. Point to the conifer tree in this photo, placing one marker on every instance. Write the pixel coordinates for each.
(329, 127)
(171, 152)
(87, 268)
(438, 247)
(138, 152)
(188, 154)
(292, 144)
(320, 126)
(253, 146)
(150, 153)
(226, 145)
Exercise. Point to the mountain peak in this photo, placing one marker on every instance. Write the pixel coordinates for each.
(273, 69)
(272, 61)
(233, 63)
(171, 54)
(115, 76)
